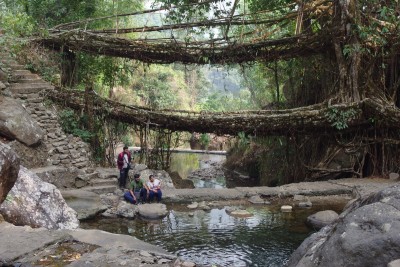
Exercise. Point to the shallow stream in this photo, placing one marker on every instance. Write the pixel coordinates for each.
(214, 238)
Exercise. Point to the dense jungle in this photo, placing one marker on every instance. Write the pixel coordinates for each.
(306, 90)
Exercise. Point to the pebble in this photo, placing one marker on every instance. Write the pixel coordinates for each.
(145, 254)
(286, 208)
(194, 205)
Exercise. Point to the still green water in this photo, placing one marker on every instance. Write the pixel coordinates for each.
(185, 163)
(214, 238)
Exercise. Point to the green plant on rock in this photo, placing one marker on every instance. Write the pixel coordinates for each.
(204, 140)
(72, 124)
(244, 140)
(340, 118)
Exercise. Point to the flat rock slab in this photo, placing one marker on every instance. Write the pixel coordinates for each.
(348, 186)
(366, 186)
(107, 173)
(26, 245)
(86, 204)
(18, 241)
(116, 241)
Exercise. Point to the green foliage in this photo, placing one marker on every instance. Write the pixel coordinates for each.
(218, 101)
(8, 198)
(340, 118)
(127, 140)
(17, 24)
(104, 72)
(204, 140)
(161, 87)
(184, 13)
(243, 140)
(73, 124)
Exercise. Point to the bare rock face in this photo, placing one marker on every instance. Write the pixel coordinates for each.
(59, 176)
(366, 234)
(16, 123)
(9, 168)
(31, 157)
(37, 204)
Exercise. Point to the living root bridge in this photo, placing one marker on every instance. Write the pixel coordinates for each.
(368, 113)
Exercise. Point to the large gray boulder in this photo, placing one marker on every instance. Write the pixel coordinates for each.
(152, 211)
(16, 123)
(9, 168)
(366, 234)
(126, 210)
(37, 204)
(87, 204)
(31, 157)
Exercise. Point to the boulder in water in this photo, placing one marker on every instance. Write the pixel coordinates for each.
(152, 211)
(367, 234)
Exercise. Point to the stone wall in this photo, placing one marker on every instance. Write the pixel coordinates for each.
(57, 148)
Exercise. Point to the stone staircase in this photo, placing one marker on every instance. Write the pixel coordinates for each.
(68, 162)
(63, 149)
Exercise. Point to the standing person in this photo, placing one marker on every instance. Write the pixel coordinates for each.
(136, 190)
(153, 187)
(124, 164)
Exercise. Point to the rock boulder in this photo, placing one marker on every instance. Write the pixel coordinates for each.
(367, 234)
(87, 204)
(37, 204)
(9, 168)
(16, 123)
(152, 211)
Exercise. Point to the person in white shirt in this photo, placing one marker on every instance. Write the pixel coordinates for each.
(153, 187)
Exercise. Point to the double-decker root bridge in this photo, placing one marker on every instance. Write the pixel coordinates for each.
(310, 119)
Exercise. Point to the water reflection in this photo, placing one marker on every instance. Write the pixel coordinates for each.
(186, 163)
(216, 238)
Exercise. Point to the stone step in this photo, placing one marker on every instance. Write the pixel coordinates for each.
(101, 189)
(8, 60)
(21, 72)
(27, 88)
(24, 76)
(104, 182)
(16, 66)
(37, 80)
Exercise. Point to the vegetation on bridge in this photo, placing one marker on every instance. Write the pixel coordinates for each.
(332, 67)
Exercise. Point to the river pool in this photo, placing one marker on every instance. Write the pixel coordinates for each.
(214, 238)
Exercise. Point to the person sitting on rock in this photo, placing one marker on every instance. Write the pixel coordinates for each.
(153, 187)
(137, 192)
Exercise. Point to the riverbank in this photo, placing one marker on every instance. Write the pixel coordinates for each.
(351, 187)
(98, 248)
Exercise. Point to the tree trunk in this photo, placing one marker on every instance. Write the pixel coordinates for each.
(68, 68)
(348, 51)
